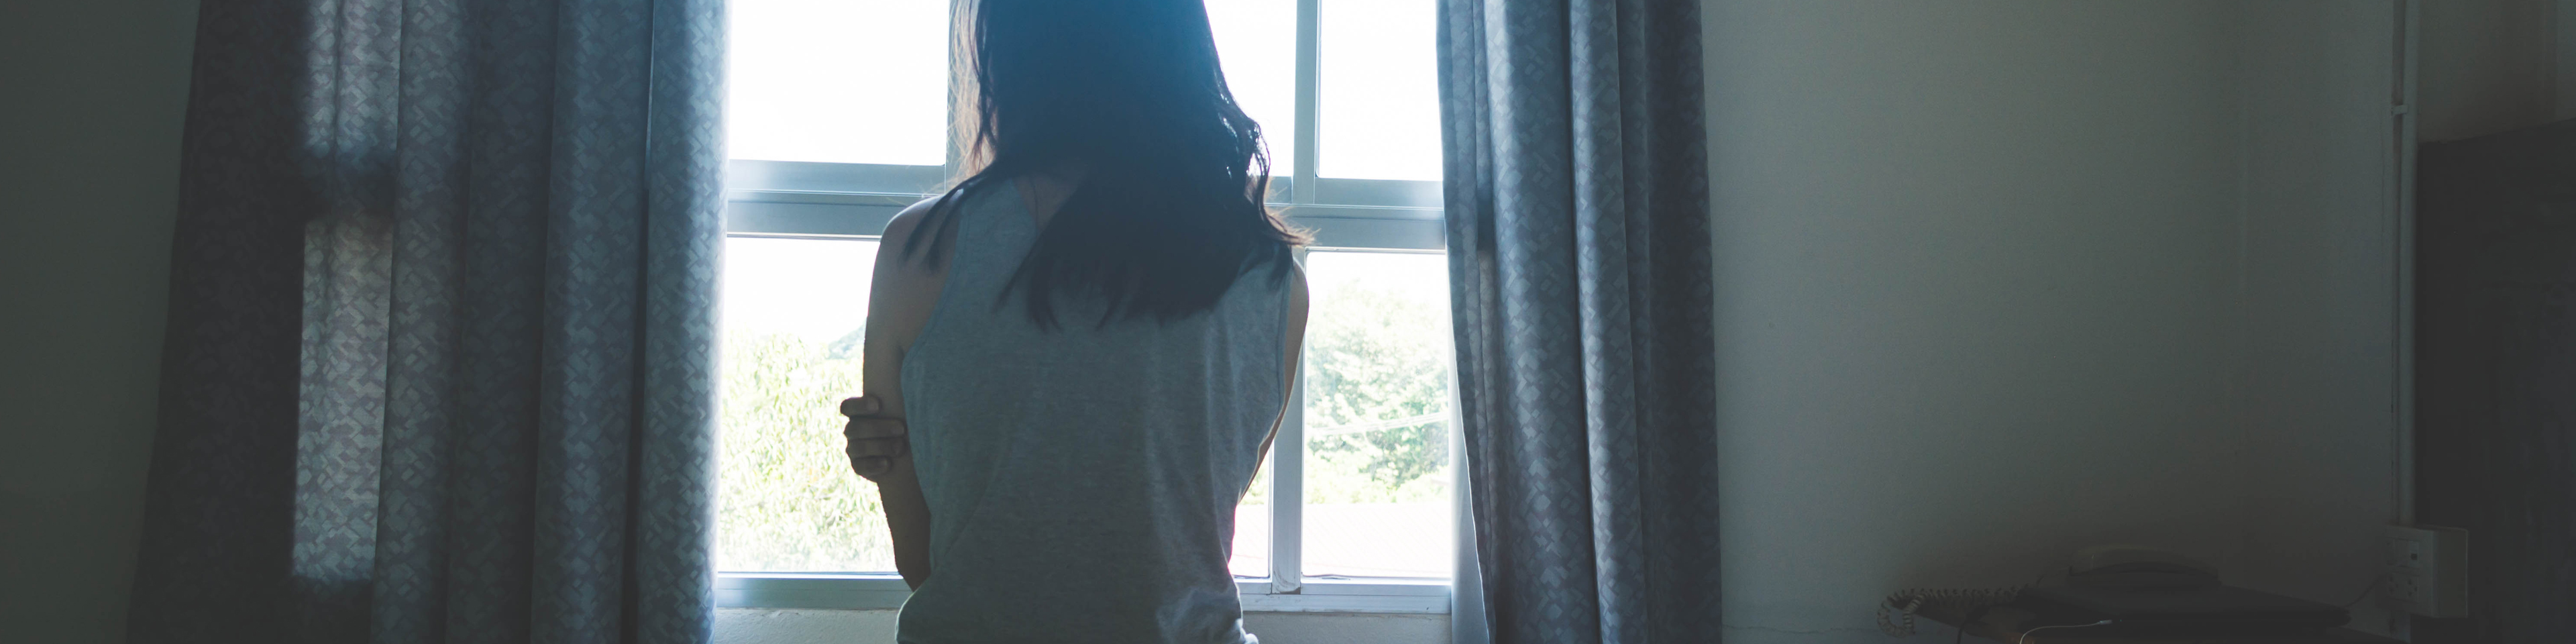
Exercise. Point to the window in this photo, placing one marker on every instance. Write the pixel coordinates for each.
(833, 134)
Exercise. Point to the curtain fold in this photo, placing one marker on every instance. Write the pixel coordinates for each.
(1580, 273)
(441, 364)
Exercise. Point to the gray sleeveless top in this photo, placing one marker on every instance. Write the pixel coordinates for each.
(1082, 480)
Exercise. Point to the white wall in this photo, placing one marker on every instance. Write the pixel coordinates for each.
(89, 142)
(1999, 279)
(2318, 234)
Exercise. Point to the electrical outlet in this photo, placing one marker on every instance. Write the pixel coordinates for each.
(2427, 570)
(2406, 590)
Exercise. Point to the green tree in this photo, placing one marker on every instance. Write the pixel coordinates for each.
(787, 500)
(1377, 364)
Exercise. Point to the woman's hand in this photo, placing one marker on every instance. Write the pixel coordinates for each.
(876, 440)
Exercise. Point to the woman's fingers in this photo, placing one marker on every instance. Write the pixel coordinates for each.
(871, 466)
(861, 406)
(886, 447)
(874, 427)
(865, 425)
(875, 441)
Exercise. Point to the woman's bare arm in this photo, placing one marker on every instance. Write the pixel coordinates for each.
(1296, 343)
(900, 299)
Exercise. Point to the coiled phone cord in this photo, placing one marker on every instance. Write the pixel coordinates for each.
(1896, 614)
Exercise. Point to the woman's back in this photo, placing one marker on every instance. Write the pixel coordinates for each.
(1081, 480)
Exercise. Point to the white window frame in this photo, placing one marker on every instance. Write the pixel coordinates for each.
(854, 201)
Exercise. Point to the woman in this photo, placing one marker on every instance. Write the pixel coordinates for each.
(1090, 338)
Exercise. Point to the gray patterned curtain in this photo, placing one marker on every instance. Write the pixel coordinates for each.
(440, 362)
(1579, 268)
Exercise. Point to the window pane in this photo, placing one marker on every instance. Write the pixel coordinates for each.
(1380, 109)
(1252, 528)
(787, 500)
(839, 81)
(1377, 428)
(1257, 41)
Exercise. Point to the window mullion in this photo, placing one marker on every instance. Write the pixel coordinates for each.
(1288, 487)
(1288, 493)
(1288, 472)
(1301, 184)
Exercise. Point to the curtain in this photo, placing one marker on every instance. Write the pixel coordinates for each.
(440, 360)
(2495, 363)
(1578, 228)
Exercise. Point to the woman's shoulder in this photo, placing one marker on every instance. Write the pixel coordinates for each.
(939, 213)
(900, 228)
(924, 235)
(907, 282)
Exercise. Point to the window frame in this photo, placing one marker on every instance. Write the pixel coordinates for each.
(846, 200)
(793, 199)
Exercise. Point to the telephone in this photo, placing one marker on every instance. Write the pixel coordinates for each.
(2117, 567)
(2127, 588)
(1896, 614)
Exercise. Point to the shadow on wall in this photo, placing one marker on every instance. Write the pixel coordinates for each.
(2495, 362)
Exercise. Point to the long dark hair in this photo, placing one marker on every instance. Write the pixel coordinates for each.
(1168, 214)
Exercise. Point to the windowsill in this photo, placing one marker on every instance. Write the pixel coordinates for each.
(887, 592)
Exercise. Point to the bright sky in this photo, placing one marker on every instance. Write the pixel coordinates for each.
(1422, 276)
(1380, 114)
(1260, 60)
(838, 81)
(816, 288)
(865, 81)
